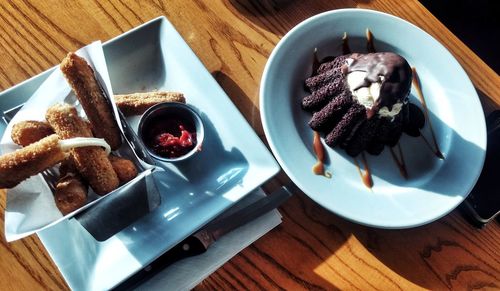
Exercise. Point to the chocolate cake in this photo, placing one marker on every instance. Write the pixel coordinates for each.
(360, 101)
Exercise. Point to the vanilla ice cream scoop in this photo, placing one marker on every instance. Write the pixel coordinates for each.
(381, 82)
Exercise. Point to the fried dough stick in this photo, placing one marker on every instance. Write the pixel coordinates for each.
(92, 162)
(71, 194)
(71, 190)
(81, 78)
(37, 157)
(30, 131)
(31, 160)
(124, 168)
(137, 103)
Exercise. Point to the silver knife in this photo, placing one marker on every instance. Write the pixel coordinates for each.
(200, 241)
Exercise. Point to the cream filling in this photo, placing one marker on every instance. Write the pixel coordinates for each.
(367, 96)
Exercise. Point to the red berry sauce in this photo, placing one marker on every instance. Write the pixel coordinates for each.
(170, 138)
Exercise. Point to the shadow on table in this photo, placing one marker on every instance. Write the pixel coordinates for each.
(445, 254)
(241, 99)
(330, 249)
(279, 16)
(309, 237)
(276, 253)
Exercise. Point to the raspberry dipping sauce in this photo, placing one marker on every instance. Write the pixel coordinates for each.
(170, 139)
(171, 131)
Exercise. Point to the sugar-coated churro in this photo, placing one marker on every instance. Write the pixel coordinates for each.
(64, 119)
(30, 160)
(124, 168)
(17, 166)
(30, 131)
(137, 103)
(88, 91)
(92, 162)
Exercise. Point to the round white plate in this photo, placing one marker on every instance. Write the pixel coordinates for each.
(434, 186)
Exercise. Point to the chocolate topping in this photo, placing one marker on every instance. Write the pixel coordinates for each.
(344, 120)
(396, 73)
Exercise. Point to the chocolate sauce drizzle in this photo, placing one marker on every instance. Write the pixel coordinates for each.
(369, 42)
(319, 150)
(345, 44)
(400, 161)
(366, 176)
(416, 83)
(315, 62)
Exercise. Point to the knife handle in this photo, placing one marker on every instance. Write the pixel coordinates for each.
(199, 242)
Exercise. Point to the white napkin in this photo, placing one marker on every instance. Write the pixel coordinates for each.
(187, 273)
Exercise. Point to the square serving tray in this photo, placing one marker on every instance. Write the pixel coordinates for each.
(232, 163)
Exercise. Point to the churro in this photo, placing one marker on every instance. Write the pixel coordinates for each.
(30, 131)
(138, 103)
(90, 94)
(124, 168)
(92, 162)
(17, 166)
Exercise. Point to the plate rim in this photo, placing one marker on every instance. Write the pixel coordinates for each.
(299, 182)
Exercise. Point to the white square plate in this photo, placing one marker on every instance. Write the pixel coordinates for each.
(232, 163)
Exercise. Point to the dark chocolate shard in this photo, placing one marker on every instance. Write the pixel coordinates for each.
(316, 63)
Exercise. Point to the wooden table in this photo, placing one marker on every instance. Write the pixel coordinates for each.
(312, 249)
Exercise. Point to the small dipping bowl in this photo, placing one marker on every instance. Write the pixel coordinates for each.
(171, 118)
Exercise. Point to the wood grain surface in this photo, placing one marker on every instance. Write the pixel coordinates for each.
(312, 249)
